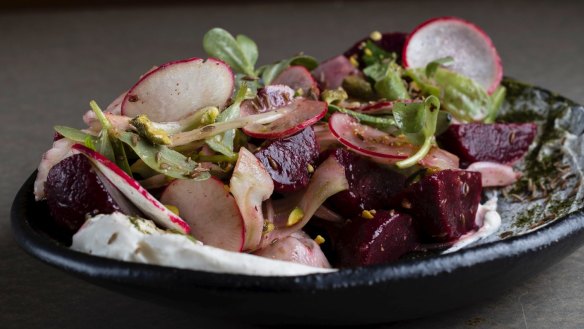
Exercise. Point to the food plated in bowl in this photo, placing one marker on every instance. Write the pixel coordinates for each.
(345, 152)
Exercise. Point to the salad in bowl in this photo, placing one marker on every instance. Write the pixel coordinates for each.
(389, 151)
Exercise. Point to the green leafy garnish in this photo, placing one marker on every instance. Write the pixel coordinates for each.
(108, 144)
(434, 65)
(417, 121)
(387, 80)
(497, 99)
(380, 122)
(465, 99)
(163, 159)
(241, 53)
(75, 135)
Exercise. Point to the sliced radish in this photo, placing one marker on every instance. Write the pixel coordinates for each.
(251, 184)
(367, 140)
(298, 78)
(440, 159)
(331, 73)
(495, 174)
(301, 114)
(473, 51)
(179, 88)
(324, 137)
(297, 248)
(134, 191)
(60, 150)
(210, 210)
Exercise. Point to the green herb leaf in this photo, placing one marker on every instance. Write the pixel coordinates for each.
(434, 65)
(248, 47)
(388, 81)
(465, 99)
(163, 159)
(372, 54)
(108, 143)
(418, 123)
(221, 44)
(497, 99)
(75, 135)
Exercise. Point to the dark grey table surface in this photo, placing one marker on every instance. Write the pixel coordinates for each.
(53, 62)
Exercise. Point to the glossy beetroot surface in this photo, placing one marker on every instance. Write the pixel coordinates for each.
(370, 186)
(500, 142)
(287, 159)
(382, 239)
(75, 190)
(443, 204)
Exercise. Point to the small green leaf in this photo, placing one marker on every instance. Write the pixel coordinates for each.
(372, 54)
(388, 81)
(163, 159)
(75, 135)
(434, 65)
(380, 122)
(220, 44)
(497, 99)
(309, 62)
(248, 47)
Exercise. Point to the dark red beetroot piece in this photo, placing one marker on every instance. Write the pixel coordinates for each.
(390, 42)
(382, 239)
(331, 73)
(298, 77)
(443, 204)
(370, 185)
(287, 159)
(500, 142)
(75, 190)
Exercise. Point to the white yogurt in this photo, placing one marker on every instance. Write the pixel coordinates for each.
(138, 240)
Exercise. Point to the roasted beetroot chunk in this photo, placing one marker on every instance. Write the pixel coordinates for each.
(500, 142)
(443, 204)
(390, 42)
(370, 185)
(75, 190)
(287, 159)
(382, 239)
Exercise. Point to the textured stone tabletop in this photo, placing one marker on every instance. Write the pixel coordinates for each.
(53, 62)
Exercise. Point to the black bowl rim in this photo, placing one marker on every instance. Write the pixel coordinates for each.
(132, 274)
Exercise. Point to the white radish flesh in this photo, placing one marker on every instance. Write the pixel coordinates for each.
(297, 248)
(471, 48)
(209, 209)
(176, 89)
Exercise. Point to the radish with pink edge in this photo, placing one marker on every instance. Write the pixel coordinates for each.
(367, 140)
(301, 114)
(210, 210)
(471, 48)
(176, 89)
(138, 195)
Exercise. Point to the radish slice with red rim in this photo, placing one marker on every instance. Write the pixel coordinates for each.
(176, 89)
(471, 48)
(302, 113)
(138, 195)
(367, 140)
(210, 210)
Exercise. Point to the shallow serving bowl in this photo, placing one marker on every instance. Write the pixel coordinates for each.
(539, 228)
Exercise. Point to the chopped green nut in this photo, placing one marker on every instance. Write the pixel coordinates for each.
(375, 36)
(146, 129)
(319, 240)
(367, 214)
(334, 96)
(295, 216)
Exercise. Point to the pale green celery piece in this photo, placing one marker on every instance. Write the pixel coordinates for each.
(221, 44)
(334, 96)
(497, 99)
(223, 143)
(109, 144)
(202, 117)
(75, 135)
(465, 99)
(217, 128)
(381, 122)
(163, 159)
(418, 127)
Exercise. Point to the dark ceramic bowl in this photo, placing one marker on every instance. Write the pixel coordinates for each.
(402, 290)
